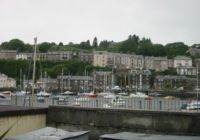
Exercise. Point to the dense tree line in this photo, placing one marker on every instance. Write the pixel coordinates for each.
(12, 68)
(132, 45)
(16, 44)
(146, 48)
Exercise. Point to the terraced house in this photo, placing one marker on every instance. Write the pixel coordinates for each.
(7, 82)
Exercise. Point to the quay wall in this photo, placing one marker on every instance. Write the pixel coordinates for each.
(22, 121)
(101, 121)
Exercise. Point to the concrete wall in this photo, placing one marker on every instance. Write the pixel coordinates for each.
(23, 124)
(22, 120)
(109, 120)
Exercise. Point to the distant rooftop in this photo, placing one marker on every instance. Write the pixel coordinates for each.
(182, 58)
(50, 133)
(142, 136)
(10, 110)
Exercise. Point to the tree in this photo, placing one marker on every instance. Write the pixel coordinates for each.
(174, 49)
(95, 43)
(159, 50)
(85, 45)
(15, 44)
(105, 43)
(44, 47)
(130, 45)
(60, 44)
(170, 71)
(146, 47)
(88, 43)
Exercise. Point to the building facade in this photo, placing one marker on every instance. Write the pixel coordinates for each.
(183, 70)
(182, 61)
(184, 66)
(194, 51)
(140, 79)
(8, 54)
(60, 55)
(85, 57)
(170, 82)
(7, 82)
(21, 56)
(75, 83)
(100, 58)
(102, 81)
(156, 63)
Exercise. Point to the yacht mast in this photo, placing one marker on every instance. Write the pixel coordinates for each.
(45, 81)
(68, 81)
(20, 79)
(197, 82)
(112, 80)
(34, 64)
(62, 82)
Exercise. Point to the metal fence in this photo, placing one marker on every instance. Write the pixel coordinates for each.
(123, 102)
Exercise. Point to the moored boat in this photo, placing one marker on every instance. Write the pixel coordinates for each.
(138, 94)
(43, 93)
(117, 101)
(68, 93)
(193, 105)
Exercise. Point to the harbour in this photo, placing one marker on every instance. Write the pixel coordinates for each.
(166, 103)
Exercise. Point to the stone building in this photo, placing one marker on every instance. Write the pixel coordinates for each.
(125, 61)
(75, 83)
(140, 79)
(133, 79)
(85, 57)
(102, 80)
(8, 54)
(194, 51)
(186, 70)
(170, 82)
(156, 63)
(60, 55)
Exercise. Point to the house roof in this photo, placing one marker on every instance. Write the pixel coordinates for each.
(182, 58)
(49, 133)
(167, 77)
(9, 110)
(142, 136)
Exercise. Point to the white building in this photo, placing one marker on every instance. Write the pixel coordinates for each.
(189, 70)
(6, 82)
(21, 56)
(182, 61)
(184, 66)
(100, 58)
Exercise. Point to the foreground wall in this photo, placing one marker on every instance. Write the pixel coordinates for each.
(22, 121)
(113, 120)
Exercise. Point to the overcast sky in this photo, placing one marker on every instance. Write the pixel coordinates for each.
(164, 21)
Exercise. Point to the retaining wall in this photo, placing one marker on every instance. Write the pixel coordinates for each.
(116, 120)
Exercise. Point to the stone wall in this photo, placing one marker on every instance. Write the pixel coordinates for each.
(100, 121)
(21, 120)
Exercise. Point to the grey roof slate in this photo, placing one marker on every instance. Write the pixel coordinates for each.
(182, 58)
(142, 136)
(50, 133)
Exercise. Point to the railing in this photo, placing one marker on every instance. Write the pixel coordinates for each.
(123, 102)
